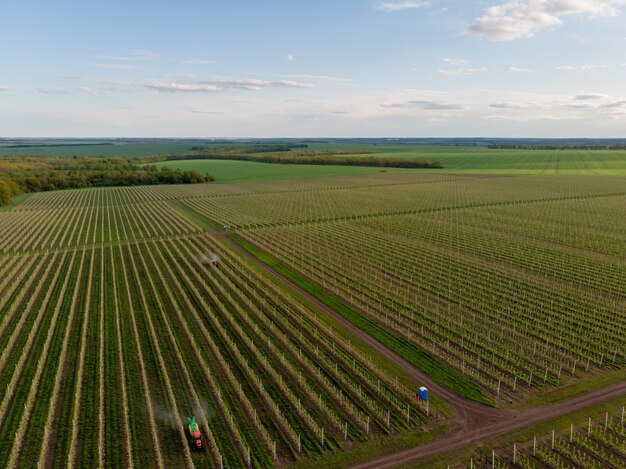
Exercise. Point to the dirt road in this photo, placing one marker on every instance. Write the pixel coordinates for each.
(471, 422)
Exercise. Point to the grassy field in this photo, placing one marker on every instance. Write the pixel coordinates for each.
(454, 160)
(504, 161)
(247, 171)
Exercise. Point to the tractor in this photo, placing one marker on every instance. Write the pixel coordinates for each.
(195, 437)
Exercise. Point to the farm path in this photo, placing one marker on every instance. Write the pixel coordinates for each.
(471, 422)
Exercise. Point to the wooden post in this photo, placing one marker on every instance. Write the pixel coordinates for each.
(606, 420)
(493, 458)
(514, 453)
(589, 427)
(299, 445)
(571, 432)
(534, 444)
(622, 421)
(552, 439)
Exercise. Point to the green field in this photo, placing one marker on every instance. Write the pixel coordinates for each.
(247, 171)
(127, 150)
(454, 160)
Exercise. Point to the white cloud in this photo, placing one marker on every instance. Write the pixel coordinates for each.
(290, 57)
(54, 91)
(460, 71)
(614, 105)
(508, 105)
(321, 78)
(212, 86)
(589, 96)
(288, 84)
(116, 58)
(144, 54)
(518, 70)
(197, 62)
(582, 68)
(519, 19)
(399, 6)
(132, 55)
(103, 89)
(456, 62)
(116, 66)
(426, 105)
(580, 106)
(528, 118)
(3, 88)
(88, 90)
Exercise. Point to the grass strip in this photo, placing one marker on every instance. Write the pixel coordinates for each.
(194, 216)
(446, 377)
(369, 450)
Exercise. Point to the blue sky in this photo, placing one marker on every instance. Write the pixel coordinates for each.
(343, 68)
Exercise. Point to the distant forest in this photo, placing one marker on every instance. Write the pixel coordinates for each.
(37, 174)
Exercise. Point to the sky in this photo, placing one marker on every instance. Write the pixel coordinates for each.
(313, 68)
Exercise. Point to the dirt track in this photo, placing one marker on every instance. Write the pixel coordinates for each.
(472, 422)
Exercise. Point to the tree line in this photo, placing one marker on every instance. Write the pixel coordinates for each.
(285, 154)
(40, 173)
(331, 159)
(506, 146)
